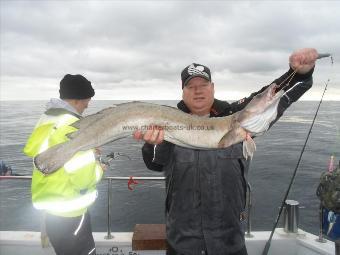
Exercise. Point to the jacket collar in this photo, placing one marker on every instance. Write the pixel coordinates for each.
(60, 111)
(217, 108)
(57, 106)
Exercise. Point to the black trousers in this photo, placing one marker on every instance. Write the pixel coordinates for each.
(171, 251)
(70, 235)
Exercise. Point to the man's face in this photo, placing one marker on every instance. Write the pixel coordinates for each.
(81, 104)
(198, 96)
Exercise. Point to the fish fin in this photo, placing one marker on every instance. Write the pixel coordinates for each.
(86, 121)
(104, 111)
(72, 135)
(76, 124)
(179, 142)
(224, 140)
(89, 119)
(249, 147)
(232, 137)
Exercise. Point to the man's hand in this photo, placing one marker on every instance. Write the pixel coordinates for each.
(154, 135)
(303, 60)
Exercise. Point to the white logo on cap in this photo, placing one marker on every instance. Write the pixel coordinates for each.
(192, 70)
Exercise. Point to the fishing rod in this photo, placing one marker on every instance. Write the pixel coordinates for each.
(267, 246)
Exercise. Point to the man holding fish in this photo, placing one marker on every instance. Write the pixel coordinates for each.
(206, 189)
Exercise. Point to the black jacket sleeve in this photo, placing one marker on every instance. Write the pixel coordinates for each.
(156, 156)
(295, 87)
(299, 84)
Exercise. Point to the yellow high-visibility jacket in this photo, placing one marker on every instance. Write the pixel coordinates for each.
(70, 190)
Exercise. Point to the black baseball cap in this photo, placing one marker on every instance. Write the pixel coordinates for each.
(195, 70)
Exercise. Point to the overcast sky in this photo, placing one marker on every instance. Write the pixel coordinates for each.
(135, 50)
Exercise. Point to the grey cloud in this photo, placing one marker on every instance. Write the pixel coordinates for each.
(116, 42)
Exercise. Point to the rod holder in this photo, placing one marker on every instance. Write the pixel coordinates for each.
(291, 216)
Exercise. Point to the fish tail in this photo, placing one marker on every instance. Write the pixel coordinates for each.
(249, 147)
(54, 158)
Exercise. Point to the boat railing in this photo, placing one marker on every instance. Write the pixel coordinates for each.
(249, 204)
(127, 178)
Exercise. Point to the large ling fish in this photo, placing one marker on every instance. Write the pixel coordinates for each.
(180, 128)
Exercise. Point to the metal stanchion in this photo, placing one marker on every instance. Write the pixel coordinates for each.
(249, 202)
(109, 199)
(321, 239)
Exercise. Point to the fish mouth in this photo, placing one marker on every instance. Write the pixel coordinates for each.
(275, 91)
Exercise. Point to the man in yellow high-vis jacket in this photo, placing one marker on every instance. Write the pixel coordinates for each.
(66, 194)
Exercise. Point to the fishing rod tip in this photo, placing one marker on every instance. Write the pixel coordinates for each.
(323, 55)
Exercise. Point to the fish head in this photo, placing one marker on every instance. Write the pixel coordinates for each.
(262, 100)
(261, 110)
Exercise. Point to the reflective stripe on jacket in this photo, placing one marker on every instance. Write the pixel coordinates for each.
(71, 189)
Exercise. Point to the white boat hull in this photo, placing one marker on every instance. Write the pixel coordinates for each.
(303, 243)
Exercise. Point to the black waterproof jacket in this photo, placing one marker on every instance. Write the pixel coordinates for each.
(206, 189)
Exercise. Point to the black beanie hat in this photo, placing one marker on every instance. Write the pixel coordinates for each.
(75, 87)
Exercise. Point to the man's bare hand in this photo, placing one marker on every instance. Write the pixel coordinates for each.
(154, 135)
(303, 60)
